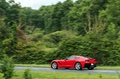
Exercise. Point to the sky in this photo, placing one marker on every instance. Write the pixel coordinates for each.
(36, 4)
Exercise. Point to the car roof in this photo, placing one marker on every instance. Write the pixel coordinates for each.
(78, 56)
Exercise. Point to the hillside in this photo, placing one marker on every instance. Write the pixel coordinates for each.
(85, 27)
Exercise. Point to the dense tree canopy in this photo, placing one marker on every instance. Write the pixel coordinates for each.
(84, 27)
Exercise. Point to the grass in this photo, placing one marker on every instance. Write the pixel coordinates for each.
(61, 75)
(33, 65)
(48, 66)
(108, 68)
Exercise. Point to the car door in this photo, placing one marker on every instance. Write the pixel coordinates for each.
(63, 63)
(69, 62)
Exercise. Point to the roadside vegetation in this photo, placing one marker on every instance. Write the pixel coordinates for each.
(48, 66)
(7, 72)
(6, 67)
(62, 75)
(59, 75)
(84, 27)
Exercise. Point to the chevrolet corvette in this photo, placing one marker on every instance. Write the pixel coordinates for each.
(75, 62)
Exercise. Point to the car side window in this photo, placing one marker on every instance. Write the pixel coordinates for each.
(71, 58)
(77, 58)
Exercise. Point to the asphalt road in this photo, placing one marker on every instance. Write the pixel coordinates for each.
(70, 70)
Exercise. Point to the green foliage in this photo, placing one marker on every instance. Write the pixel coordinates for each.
(7, 67)
(104, 50)
(112, 32)
(27, 74)
(3, 7)
(7, 40)
(111, 14)
(84, 27)
(12, 15)
(1, 75)
(3, 32)
(55, 37)
(30, 53)
(61, 75)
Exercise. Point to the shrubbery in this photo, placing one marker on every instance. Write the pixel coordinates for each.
(27, 74)
(67, 28)
(1, 75)
(105, 50)
(7, 67)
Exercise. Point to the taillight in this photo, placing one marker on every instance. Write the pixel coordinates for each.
(86, 60)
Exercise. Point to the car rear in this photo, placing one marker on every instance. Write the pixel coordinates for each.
(90, 63)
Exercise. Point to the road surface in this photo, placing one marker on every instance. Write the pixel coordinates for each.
(70, 70)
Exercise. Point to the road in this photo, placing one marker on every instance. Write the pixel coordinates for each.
(70, 70)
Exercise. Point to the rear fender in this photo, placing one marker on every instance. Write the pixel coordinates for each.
(82, 63)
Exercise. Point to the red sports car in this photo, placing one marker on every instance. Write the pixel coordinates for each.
(77, 62)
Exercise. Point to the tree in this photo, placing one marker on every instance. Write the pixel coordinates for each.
(84, 15)
(59, 18)
(56, 16)
(111, 15)
(12, 13)
(4, 5)
(46, 18)
(66, 7)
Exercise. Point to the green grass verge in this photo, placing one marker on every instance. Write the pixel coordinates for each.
(33, 65)
(48, 66)
(63, 75)
(108, 68)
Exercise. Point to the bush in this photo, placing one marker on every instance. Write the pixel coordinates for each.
(27, 74)
(7, 67)
(1, 75)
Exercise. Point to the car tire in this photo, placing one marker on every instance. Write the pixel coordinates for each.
(54, 65)
(90, 68)
(78, 66)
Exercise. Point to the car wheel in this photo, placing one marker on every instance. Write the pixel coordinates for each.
(54, 65)
(90, 68)
(78, 66)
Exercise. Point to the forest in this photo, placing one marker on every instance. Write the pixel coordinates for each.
(85, 27)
